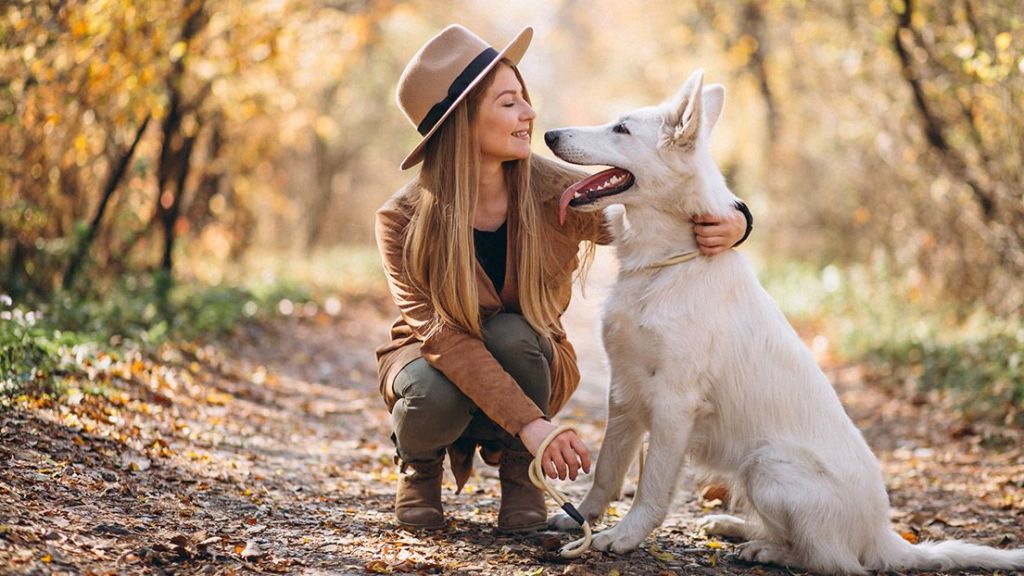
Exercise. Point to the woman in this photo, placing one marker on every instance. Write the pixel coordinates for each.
(481, 272)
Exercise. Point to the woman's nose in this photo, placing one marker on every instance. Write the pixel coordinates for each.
(529, 113)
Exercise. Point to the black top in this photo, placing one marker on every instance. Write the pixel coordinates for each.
(491, 248)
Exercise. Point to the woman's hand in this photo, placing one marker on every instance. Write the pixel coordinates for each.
(565, 455)
(719, 233)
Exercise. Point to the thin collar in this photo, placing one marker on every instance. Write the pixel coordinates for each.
(672, 260)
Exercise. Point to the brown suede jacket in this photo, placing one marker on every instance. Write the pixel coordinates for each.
(461, 357)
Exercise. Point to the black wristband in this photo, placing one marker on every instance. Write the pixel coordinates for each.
(750, 220)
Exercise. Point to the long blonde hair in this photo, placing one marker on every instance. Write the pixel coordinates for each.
(439, 249)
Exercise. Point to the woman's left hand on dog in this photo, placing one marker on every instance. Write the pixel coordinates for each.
(718, 233)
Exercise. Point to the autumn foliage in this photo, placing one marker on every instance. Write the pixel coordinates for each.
(146, 142)
(135, 131)
(140, 130)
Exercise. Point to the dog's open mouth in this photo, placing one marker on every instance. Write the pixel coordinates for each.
(605, 183)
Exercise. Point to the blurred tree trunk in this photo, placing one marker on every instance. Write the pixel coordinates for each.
(327, 163)
(198, 213)
(116, 175)
(324, 170)
(751, 32)
(753, 25)
(933, 124)
(178, 141)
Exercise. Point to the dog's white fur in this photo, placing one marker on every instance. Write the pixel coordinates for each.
(702, 359)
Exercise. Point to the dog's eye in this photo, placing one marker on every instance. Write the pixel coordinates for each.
(620, 128)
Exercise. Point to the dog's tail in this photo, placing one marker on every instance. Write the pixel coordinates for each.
(898, 554)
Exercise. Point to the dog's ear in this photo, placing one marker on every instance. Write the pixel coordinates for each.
(714, 101)
(683, 123)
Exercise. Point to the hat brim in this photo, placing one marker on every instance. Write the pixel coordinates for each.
(513, 51)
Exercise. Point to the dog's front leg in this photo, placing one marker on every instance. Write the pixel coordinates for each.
(620, 445)
(671, 425)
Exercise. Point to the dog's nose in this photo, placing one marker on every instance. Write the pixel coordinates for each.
(551, 138)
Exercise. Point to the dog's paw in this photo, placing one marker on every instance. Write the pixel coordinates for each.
(764, 552)
(724, 525)
(616, 541)
(562, 522)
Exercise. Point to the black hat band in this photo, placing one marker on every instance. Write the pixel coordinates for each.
(458, 87)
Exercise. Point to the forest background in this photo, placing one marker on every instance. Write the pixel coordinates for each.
(190, 295)
(160, 154)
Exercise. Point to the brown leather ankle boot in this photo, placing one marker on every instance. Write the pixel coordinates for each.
(418, 498)
(522, 504)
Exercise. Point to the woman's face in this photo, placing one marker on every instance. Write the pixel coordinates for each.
(503, 119)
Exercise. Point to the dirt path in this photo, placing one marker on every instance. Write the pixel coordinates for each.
(269, 453)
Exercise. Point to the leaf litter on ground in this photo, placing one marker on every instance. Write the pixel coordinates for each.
(268, 451)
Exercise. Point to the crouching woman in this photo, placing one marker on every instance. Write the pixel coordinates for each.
(481, 271)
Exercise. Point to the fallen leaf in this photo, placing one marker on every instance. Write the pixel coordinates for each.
(715, 492)
(551, 543)
(251, 550)
(577, 570)
(112, 529)
(135, 463)
(660, 554)
(406, 566)
(218, 398)
(951, 523)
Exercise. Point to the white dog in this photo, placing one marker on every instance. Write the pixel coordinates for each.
(703, 360)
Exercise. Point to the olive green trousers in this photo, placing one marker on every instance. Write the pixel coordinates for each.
(431, 413)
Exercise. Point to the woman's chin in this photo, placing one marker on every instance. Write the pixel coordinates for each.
(523, 153)
(511, 156)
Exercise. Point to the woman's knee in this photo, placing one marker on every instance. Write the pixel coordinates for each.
(523, 353)
(430, 412)
(511, 336)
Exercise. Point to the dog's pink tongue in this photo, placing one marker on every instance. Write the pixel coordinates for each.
(567, 196)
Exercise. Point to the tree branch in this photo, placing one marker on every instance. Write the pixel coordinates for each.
(108, 192)
(933, 126)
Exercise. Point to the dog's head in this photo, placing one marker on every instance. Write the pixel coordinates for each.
(649, 149)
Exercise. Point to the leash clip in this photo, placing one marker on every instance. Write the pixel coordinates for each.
(576, 548)
(573, 513)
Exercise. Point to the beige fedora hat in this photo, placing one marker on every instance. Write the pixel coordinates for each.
(440, 75)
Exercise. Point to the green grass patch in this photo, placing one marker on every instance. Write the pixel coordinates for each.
(907, 339)
(44, 341)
